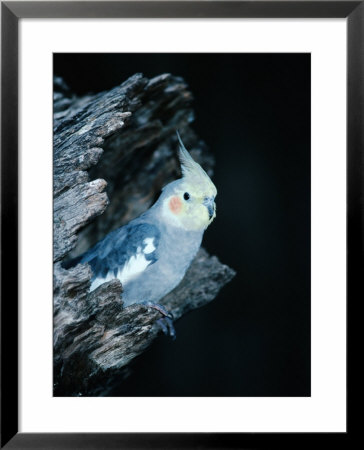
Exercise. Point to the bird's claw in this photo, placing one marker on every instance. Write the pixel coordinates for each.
(166, 322)
(166, 325)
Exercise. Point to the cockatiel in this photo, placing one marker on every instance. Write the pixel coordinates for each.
(150, 254)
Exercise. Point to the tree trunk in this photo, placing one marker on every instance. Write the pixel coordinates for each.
(124, 141)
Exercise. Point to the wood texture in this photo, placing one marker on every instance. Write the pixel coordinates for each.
(113, 152)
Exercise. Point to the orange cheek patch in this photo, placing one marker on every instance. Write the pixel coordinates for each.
(175, 205)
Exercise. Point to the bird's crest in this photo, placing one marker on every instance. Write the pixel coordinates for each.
(191, 170)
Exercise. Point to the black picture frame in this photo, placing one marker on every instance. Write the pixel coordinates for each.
(11, 12)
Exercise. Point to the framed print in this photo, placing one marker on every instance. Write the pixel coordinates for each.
(157, 107)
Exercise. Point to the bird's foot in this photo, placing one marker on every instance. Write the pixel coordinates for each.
(166, 322)
(166, 325)
(160, 309)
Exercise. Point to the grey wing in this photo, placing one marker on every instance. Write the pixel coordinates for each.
(123, 253)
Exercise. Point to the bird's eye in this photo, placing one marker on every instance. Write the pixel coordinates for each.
(186, 196)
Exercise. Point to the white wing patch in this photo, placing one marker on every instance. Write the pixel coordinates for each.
(149, 245)
(133, 267)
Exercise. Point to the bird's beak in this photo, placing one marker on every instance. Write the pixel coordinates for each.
(210, 205)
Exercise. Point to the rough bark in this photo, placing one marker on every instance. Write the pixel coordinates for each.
(123, 140)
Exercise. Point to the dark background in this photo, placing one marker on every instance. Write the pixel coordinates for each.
(253, 111)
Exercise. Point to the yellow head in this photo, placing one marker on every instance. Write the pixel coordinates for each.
(189, 203)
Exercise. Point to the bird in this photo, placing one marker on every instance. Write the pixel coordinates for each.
(151, 254)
